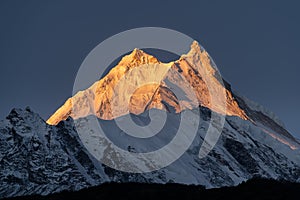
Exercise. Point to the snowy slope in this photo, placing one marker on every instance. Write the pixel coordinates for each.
(40, 159)
(37, 158)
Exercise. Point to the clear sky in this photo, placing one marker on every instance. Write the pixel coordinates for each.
(255, 44)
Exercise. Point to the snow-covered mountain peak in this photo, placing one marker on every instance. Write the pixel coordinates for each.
(195, 49)
(196, 68)
(137, 57)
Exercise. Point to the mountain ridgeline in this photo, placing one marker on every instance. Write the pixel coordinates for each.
(196, 67)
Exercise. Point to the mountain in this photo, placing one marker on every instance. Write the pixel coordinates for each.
(196, 67)
(38, 157)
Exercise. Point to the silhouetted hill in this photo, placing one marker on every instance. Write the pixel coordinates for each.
(253, 189)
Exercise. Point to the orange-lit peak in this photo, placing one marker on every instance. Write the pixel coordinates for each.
(195, 67)
(138, 57)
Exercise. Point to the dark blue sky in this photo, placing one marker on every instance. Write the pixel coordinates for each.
(255, 44)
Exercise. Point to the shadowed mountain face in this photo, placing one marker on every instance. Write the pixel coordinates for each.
(37, 158)
(43, 158)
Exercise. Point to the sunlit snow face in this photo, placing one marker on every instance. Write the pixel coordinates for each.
(175, 89)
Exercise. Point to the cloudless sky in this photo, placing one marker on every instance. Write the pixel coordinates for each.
(255, 44)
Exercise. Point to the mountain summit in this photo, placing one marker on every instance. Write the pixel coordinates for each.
(196, 67)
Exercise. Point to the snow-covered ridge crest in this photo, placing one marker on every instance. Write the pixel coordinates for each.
(259, 108)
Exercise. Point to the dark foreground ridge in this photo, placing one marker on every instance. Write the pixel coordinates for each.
(252, 189)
